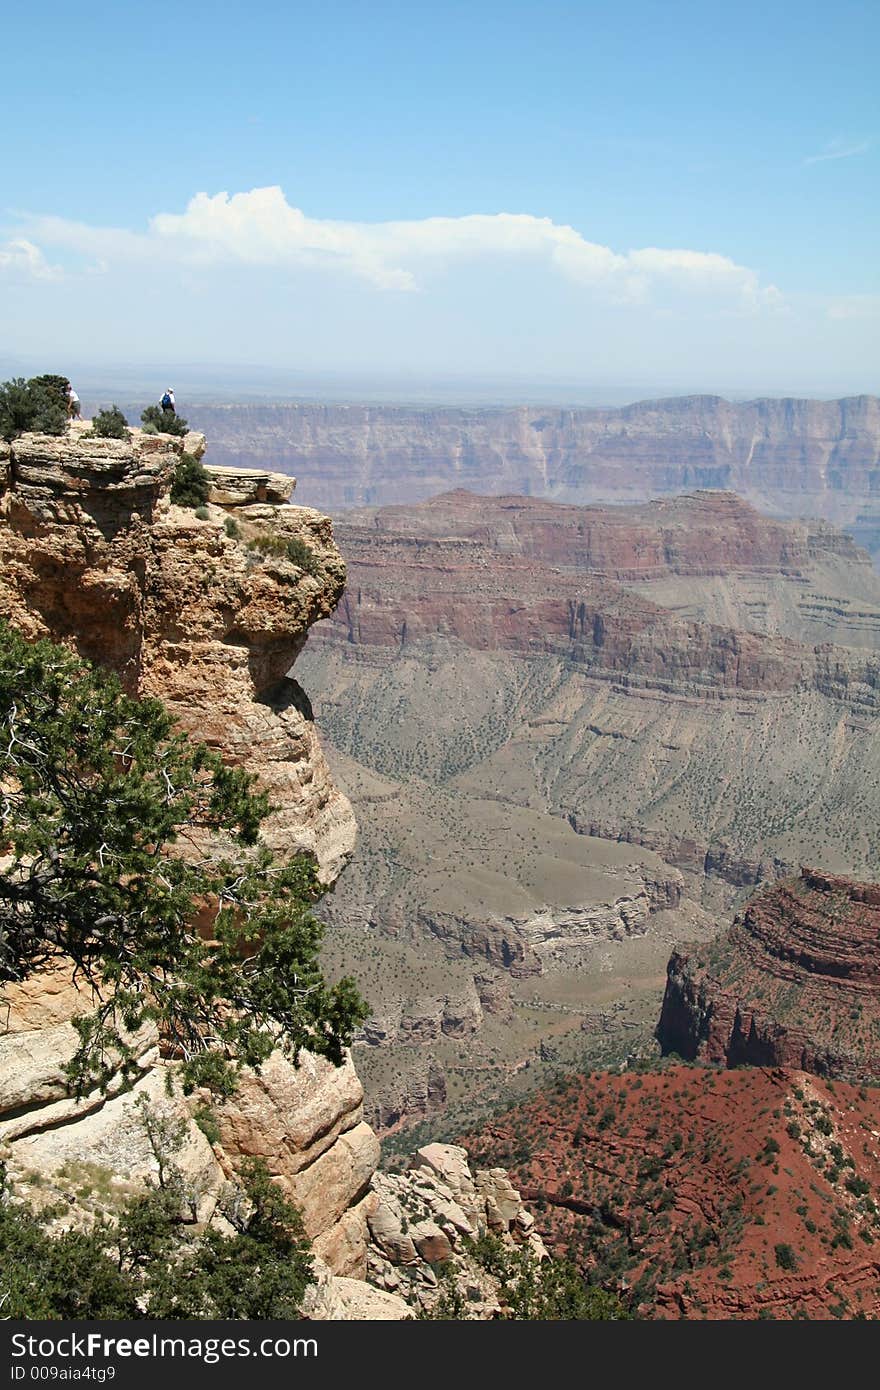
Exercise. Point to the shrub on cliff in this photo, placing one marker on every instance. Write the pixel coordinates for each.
(288, 548)
(110, 424)
(155, 420)
(530, 1290)
(98, 792)
(148, 1265)
(785, 1257)
(190, 486)
(38, 405)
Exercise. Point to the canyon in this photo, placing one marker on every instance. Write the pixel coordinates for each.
(789, 457)
(576, 740)
(576, 737)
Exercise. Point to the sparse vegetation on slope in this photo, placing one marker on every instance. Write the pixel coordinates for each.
(698, 1193)
(286, 548)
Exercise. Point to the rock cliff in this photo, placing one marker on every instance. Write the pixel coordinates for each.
(537, 579)
(94, 554)
(794, 982)
(305, 1121)
(426, 1216)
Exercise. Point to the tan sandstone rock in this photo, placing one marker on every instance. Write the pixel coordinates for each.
(93, 553)
(238, 487)
(306, 1122)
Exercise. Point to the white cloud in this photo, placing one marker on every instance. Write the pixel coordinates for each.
(22, 259)
(838, 149)
(261, 228)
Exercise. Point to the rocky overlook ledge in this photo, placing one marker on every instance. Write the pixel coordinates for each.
(94, 554)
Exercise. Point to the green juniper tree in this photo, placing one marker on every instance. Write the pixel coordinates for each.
(39, 404)
(146, 1263)
(157, 421)
(116, 832)
(190, 486)
(110, 424)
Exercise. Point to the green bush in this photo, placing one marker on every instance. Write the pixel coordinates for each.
(785, 1257)
(55, 387)
(190, 486)
(547, 1291)
(202, 513)
(163, 423)
(38, 405)
(232, 528)
(110, 424)
(287, 548)
(149, 1265)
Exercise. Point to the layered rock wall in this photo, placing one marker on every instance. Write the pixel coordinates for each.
(535, 579)
(794, 982)
(794, 457)
(94, 554)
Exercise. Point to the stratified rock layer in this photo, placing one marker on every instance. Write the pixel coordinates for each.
(533, 578)
(794, 457)
(794, 982)
(305, 1122)
(92, 553)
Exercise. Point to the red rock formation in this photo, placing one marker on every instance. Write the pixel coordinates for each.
(533, 578)
(699, 533)
(794, 982)
(705, 1194)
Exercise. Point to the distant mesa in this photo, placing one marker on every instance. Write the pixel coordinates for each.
(789, 456)
(794, 982)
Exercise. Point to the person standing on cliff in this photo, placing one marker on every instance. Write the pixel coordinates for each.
(167, 402)
(73, 403)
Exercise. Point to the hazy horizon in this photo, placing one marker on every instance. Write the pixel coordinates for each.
(240, 385)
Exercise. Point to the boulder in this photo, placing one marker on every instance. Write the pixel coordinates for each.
(242, 487)
(432, 1242)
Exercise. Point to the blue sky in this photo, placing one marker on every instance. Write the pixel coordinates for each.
(680, 194)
